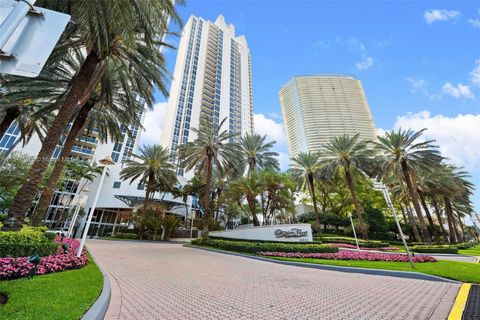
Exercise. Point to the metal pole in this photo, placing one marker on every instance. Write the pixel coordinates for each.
(390, 204)
(90, 214)
(72, 223)
(354, 232)
(13, 20)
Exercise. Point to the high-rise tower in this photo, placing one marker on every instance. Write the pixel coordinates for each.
(212, 79)
(319, 107)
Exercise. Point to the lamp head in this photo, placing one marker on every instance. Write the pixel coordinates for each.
(107, 161)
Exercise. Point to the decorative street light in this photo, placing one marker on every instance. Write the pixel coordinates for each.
(381, 187)
(106, 162)
(354, 232)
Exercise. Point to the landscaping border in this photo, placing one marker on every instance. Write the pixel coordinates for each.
(100, 306)
(377, 272)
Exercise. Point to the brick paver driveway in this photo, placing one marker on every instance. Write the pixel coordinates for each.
(168, 281)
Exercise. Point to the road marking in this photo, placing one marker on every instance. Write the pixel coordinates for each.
(460, 302)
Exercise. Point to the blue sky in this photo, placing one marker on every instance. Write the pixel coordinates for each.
(419, 62)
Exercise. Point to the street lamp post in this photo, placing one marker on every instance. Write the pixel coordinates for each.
(106, 162)
(381, 187)
(354, 232)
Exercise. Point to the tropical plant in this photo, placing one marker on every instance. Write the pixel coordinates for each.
(247, 189)
(128, 33)
(151, 165)
(154, 219)
(257, 153)
(352, 156)
(212, 148)
(403, 152)
(278, 194)
(304, 168)
(169, 224)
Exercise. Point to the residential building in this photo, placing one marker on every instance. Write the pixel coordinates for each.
(212, 78)
(317, 108)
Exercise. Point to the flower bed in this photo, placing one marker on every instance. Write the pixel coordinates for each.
(350, 255)
(351, 246)
(12, 268)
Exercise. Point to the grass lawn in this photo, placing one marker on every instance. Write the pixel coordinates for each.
(62, 295)
(474, 251)
(460, 271)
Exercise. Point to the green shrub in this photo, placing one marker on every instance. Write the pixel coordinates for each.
(465, 245)
(254, 247)
(25, 235)
(123, 235)
(27, 249)
(260, 241)
(362, 243)
(435, 249)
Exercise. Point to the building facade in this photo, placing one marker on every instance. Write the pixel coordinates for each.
(212, 79)
(317, 108)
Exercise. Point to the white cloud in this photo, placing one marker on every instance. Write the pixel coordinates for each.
(153, 124)
(475, 74)
(274, 131)
(475, 22)
(458, 91)
(433, 15)
(458, 137)
(366, 63)
(354, 44)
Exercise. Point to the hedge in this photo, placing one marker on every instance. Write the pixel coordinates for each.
(124, 235)
(27, 249)
(260, 241)
(25, 235)
(435, 249)
(254, 247)
(362, 243)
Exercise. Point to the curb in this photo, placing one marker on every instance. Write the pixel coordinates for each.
(99, 308)
(460, 302)
(377, 272)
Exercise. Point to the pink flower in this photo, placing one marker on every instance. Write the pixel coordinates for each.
(351, 255)
(12, 268)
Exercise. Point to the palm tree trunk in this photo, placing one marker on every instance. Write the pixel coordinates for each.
(414, 224)
(24, 197)
(452, 231)
(11, 114)
(462, 228)
(358, 208)
(429, 216)
(251, 204)
(47, 193)
(416, 205)
(208, 182)
(402, 209)
(148, 191)
(311, 187)
(440, 221)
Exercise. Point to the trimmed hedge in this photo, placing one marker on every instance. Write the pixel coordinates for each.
(435, 249)
(362, 243)
(27, 249)
(254, 247)
(25, 235)
(124, 235)
(260, 241)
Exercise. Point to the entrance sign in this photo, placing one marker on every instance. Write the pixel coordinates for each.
(300, 232)
(27, 36)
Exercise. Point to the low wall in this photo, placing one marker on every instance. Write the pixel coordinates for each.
(301, 232)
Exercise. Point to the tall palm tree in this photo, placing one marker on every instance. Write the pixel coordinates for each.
(111, 105)
(212, 148)
(126, 32)
(257, 152)
(151, 165)
(304, 168)
(401, 153)
(350, 154)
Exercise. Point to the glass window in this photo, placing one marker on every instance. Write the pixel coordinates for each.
(117, 184)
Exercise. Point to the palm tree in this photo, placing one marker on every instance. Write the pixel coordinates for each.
(248, 188)
(212, 148)
(151, 165)
(257, 152)
(277, 193)
(402, 153)
(304, 168)
(349, 154)
(111, 105)
(126, 32)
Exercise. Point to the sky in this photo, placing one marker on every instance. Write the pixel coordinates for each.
(418, 61)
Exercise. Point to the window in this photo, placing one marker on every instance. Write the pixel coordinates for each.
(117, 184)
(140, 186)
